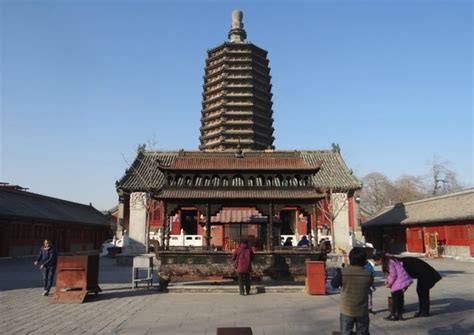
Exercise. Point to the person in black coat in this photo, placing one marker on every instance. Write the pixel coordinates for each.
(47, 259)
(426, 277)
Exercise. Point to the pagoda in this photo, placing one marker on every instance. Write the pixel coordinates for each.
(194, 206)
(237, 98)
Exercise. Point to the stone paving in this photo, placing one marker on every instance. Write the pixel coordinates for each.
(120, 310)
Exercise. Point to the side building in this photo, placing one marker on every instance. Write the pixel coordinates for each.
(438, 225)
(26, 219)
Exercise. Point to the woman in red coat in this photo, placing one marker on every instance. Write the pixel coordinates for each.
(243, 257)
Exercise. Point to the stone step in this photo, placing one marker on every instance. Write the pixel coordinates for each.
(176, 288)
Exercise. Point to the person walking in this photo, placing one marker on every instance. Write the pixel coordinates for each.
(243, 257)
(355, 282)
(370, 267)
(47, 259)
(398, 280)
(426, 277)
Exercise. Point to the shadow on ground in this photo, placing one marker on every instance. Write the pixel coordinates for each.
(121, 292)
(438, 306)
(450, 273)
(452, 328)
(450, 305)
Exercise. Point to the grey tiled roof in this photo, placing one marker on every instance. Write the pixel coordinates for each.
(144, 175)
(17, 205)
(457, 206)
(334, 173)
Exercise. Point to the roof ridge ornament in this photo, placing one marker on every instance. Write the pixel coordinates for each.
(336, 148)
(141, 148)
(237, 33)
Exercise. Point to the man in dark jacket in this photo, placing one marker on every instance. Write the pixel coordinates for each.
(47, 259)
(243, 257)
(355, 282)
(426, 277)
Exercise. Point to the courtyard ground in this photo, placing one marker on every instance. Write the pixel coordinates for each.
(121, 310)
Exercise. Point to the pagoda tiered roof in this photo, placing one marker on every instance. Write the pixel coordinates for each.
(237, 98)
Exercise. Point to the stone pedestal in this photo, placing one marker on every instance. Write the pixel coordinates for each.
(342, 237)
(138, 239)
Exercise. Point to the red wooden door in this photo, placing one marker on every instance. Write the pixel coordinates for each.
(415, 239)
(471, 239)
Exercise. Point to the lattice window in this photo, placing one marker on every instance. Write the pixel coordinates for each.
(188, 181)
(197, 181)
(238, 181)
(251, 181)
(216, 181)
(269, 181)
(225, 182)
(294, 181)
(278, 181)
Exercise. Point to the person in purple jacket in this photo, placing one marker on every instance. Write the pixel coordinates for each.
(243, 257)
(398, 280)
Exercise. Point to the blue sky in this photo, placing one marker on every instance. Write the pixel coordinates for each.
(83, 83)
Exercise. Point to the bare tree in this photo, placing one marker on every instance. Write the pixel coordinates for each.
(444, 179)
(409, 188)
(377, 192)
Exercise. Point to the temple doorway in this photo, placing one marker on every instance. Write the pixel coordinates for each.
(189, 222)
(288, 222)
(234, 232)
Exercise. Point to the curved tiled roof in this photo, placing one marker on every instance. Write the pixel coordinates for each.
(451, 207)
(265, 162)
(334, 173)
(144, 173)
(238, 194)
(15, 205)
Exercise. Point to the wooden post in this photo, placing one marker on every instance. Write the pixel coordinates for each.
(163, 227)
(208, 226)
(270, 228)
(314, 226)
(332, 216)
(167, 231)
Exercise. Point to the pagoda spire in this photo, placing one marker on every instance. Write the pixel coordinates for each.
(237, 33)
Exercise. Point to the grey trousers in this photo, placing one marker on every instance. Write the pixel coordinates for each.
(361, 323)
